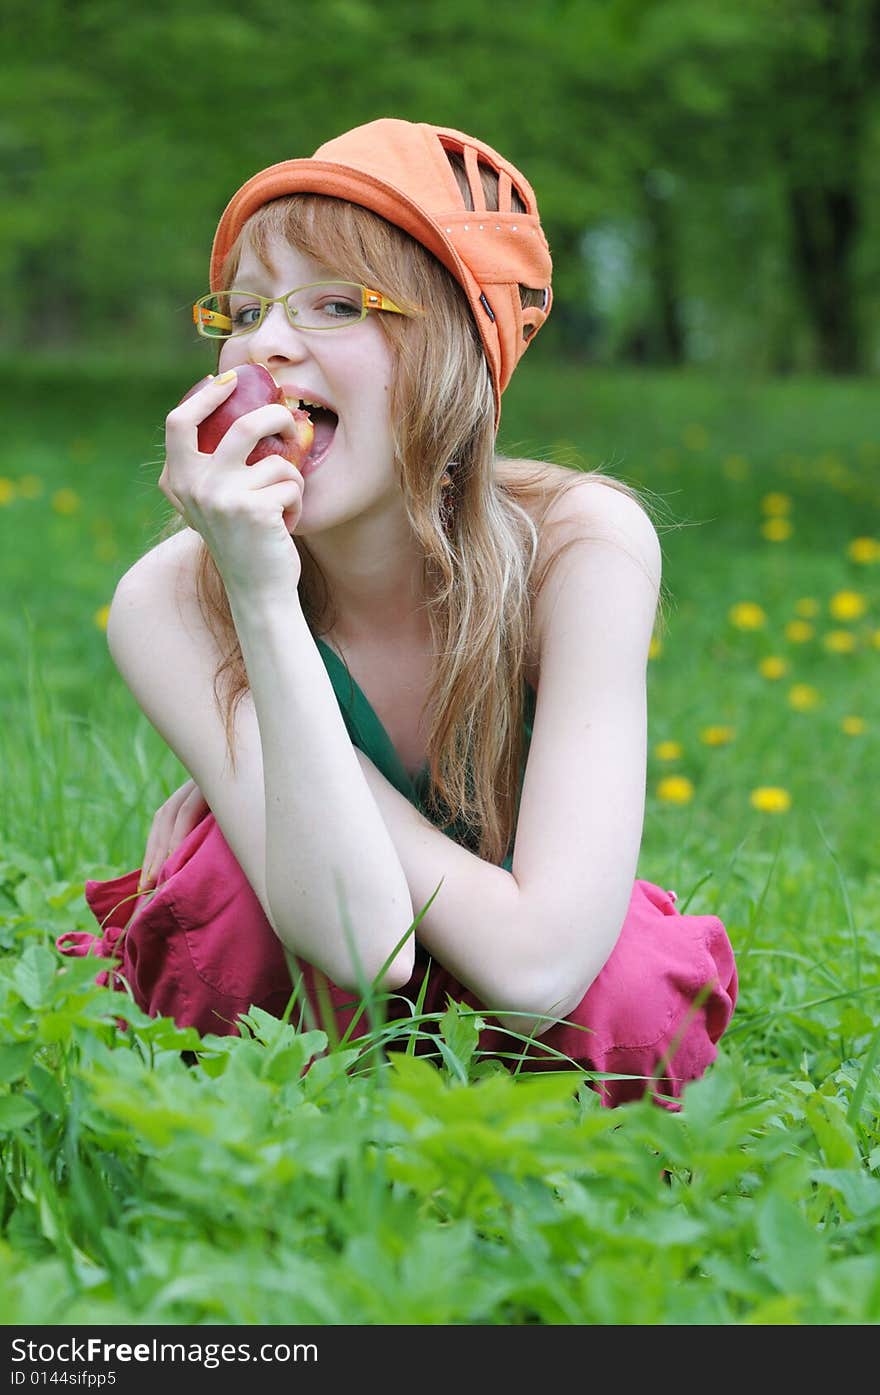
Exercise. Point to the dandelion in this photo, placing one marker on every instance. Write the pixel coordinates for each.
(864, 550)
(101, 616)
(776, 504)
(695, 437)
(30, 486)
(807, 606)
(7, 491)
(675, 789)
(847, 605)
(799, 631)
(747, 615)
(65, 501)
(717, 736)
(875, 638)
(655, 648)
(803, 697)
(840, 641)
(770, 799)
(773, 666)
(736, 467)
(777, 529)
(668, 750)
(852, 726)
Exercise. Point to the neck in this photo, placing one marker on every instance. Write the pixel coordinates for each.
(373, 569)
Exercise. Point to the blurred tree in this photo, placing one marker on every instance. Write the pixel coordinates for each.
(717, 152)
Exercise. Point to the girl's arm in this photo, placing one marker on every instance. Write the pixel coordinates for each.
(533, 942)
(296, 809)
(324, 841)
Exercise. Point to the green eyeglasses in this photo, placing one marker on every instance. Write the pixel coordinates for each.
(321, 305)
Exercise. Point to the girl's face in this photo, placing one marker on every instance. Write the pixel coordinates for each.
(346, 370)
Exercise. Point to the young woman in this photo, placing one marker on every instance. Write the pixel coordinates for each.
(412, 673)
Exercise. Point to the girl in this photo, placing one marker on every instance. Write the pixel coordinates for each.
(411, 674)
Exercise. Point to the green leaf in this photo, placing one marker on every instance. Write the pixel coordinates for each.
(860, 1193)
(34, 974)
(15, 1112)
(47, 1091)
(14, 1061)
(460, 1029)
(793, 1250)
(827, 1118)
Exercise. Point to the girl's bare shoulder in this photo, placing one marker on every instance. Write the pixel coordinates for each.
(159, 590)
(589, 507)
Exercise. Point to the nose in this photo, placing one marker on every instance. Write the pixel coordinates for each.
(276, 340)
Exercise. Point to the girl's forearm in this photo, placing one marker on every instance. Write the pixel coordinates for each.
(330, 860)
(477, 925)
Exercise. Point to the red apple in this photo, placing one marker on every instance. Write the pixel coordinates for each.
(255, 388)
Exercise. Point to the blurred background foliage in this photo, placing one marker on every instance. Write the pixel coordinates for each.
(706, 169)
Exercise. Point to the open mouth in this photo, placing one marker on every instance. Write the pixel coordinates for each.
(325, 423)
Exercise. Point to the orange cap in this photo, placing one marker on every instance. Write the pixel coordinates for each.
(399, 169)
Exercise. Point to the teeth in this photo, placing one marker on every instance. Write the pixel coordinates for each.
(303, 403)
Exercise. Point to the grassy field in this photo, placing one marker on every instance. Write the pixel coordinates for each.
(388, 1189)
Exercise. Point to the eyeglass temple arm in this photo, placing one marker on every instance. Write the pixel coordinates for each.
(203, 316)
(374, 300)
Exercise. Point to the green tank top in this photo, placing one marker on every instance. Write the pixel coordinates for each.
(369, 735)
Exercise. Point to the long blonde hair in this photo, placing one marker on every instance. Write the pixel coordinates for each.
(479, 573)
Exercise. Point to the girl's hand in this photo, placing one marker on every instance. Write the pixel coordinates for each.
(173, 822)
(245, 513)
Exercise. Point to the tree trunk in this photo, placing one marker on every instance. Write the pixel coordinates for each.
(663, 270)
(825, 226)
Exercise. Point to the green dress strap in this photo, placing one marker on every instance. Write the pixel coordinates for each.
(369, 735)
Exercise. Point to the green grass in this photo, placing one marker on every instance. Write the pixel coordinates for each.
(385, 1188)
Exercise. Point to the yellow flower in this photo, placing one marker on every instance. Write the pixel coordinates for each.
(875, 639)
(7, 491)
(717, 736)
(736, 467)
(803, 697)
(807, 606)
(798, 631)
(847, 605)
(777, 529)
(746, 615)
(853, 726)
(655, 648)
(65, 501)
(776, 504)
(770, 799)
(675, 789)
(695, 437)
(840, 641)
(101, 616)
(668, 750)
(865, 550)
(773, 666)
(30, 486)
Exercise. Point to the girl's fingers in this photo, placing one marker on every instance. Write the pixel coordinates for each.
(240, 438)
(161, 838)
(273, 469)
(183, 420)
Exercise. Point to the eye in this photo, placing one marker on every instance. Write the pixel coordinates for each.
(245, 311)
(339, 309)
(245, 315)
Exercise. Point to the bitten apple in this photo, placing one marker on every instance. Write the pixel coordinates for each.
(255, 388)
